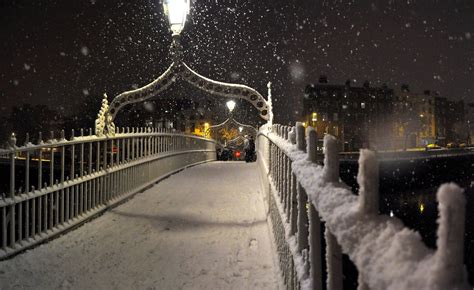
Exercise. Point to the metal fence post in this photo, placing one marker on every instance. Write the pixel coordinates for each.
(314, 224)
(333, 249)
(449, 258)
(368, 179)
(300, 143)
(302, 198)
(333, 262)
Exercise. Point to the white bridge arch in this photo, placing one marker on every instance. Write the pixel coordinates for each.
(179, 70)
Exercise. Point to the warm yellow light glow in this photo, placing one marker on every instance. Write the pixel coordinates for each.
(304, 124)
(421, 115)
(315, 117)
(206, 124)
(422, 207)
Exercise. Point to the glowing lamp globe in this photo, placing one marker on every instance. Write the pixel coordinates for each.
(177, 11)
(230, 105)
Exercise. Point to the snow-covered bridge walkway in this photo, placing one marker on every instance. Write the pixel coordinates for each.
(203, 228)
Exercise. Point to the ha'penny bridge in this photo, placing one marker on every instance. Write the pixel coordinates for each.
(151, 208)
(194, 222)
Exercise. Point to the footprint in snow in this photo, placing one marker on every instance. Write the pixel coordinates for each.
(253, 244)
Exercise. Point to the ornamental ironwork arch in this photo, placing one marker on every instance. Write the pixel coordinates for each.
(179, 70)
(230, 120)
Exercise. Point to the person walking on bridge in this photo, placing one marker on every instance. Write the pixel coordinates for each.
(249, 146)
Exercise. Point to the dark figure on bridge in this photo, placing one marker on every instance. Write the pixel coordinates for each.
(250, 150)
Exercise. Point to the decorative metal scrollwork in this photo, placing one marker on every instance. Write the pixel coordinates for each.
(236, 140)
(230, 120)
(226, 90)
(179, 69)
(143, 93)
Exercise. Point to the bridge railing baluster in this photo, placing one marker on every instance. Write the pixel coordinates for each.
(117, 166)
(290, 203)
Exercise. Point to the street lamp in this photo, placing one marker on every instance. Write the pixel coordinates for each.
(177, 11)
(230, 105)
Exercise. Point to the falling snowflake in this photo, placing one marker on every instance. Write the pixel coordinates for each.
(234, 76)
(296, 70)
(85, 50)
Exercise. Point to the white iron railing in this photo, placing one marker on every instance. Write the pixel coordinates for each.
(57, 184)
(302, 195)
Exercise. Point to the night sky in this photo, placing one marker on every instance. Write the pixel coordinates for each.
(61, 52)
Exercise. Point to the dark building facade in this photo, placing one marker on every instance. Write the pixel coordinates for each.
(414, 119)
(441, 119)
(361, 117)
(451, 124)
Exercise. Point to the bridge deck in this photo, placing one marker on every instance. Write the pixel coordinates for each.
(203, 228)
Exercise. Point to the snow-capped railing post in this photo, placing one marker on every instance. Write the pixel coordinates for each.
(368, 180)
(293, 212)
(292, 135)
(300, 144)
(285, 180)
(27, 165)
(449, 258)
(333, 249)
(314, 222)
(40, 161)
(302, 225)
(331, 159)
(12, 144)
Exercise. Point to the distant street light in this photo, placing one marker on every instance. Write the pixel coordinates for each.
(177, 11)
(230, 105)
(241, 129)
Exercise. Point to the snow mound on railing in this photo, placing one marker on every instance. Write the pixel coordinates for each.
(387, 254)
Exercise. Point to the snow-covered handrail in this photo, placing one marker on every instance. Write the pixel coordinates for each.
(386, 254)
(58, 183)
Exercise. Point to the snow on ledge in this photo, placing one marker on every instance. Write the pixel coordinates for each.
(386, 254)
